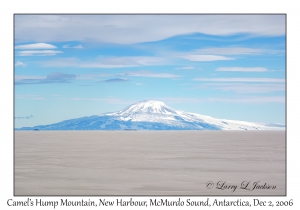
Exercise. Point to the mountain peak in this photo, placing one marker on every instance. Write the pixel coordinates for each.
(153, 115)
(148, 107)
(150, 103)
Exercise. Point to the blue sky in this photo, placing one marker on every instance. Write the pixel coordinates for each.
(224, 66)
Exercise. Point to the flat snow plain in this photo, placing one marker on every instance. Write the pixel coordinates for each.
(149, 163)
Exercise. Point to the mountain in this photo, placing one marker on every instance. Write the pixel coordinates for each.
(153, 115)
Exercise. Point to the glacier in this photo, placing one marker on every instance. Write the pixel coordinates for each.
(153, 115)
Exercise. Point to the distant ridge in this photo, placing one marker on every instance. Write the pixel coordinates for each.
(153, 115)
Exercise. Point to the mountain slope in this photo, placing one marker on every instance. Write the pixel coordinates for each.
(153, 115)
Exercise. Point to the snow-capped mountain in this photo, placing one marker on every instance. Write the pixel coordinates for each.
(153, 115)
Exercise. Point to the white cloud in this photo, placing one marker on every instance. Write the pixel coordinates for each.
(215, 54)
(35, 46)
(232, 51)
(38, 52)
(240, 79)
(19, 63)
(186, 68)
(76, 47)
(151, 74)
(242, 69)
(140, 28)
(203, 58)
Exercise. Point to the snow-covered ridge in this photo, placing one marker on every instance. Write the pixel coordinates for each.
(154, 115)
(157, 111)
(145, 107)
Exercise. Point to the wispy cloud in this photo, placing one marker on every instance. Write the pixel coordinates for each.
(91, 76)
(233, 51)
(240, 80)
(111, 100)
(75, 47)
(29, 96)
(19, 63)
(35, 46)
(254, 99)
(25, 117)
(139, 84)
(218, 54)
(116, 80)
(236, 100)
(180, 100)
(61, 62)
(105, 62)
(186, 68)
(129, 61)
(243, 88)
(38, 52)
(28, 77)
(57, 76)
(242, 69)
(78, 47)
(174, 100)
(151, 74)
(203, 58)
(141, 28)
(54, 77)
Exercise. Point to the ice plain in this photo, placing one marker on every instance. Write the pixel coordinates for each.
(148, 162)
